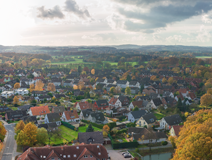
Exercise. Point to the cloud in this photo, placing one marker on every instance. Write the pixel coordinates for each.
(50, 13)
(71, 6)
(159, 16)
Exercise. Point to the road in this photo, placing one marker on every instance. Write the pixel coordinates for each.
(10, 148)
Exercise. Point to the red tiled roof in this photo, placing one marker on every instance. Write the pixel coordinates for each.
(40, 110)
(71, 114)
(113, 100)
(177, 129)
(138, 104)
(183, 90)
(65, 152)
(192, 95)
(83, 105)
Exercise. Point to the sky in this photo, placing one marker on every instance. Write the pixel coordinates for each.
(106, 22)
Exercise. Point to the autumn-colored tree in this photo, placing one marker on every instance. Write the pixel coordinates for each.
(127, 90)
(112, 90)
(51, 87)
(187, 70)
(31, 87)
(42, 135)
(75, 87)
(209, 91)
(164, 80)
(93, 71)
(27, 137)
(16, 85)
(2, 132)
(16, 66)
(106, 128)
(153, 78)
(1, 145)
(19, 126)
(15, 100)
(24, 64)
(173, 139)
(195, 137)
(208, 83)
(81, 85)
(206, 100)
(39, 86)
(170, 80)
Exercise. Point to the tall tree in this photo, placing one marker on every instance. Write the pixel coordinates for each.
(127, 90)
(93, 71)
(15, 100)
(24, 64)
(2, 132)
(42, 135)
(79, 69)
(195, 137)
(16, 85)
(90, 128)
(19, 126)
(31, 87)
(39, 86)
(51, 87)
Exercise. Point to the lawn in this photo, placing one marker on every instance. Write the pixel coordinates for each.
(83, 129)
(116, 63)
(158, 115)
(203, 57)
(13, 108)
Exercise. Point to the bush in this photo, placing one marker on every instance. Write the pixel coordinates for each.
(164, 143)
(69, 126)
(100, 126)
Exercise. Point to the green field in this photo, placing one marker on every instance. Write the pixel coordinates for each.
(203, 57)
(116, 63)
(159, 116)
(83, 129)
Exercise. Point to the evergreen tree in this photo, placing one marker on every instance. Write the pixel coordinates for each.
(90, 128)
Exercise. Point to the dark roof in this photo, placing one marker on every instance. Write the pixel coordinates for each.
(135, 130)
(43, 126)
(122, 98)
(91, 137)
(98, 115)
(53, 117)
(173, 120)
(30, 119)
(149, 135)
(52, 125)
(24, 107)
(16, 114)
(59, 109)
(44, 96)
(4, 109)
(57, 96)
(111, 85)
(138, 114)
(157, 101)
(149, 118)
(102, 103)
(133, 83)
(121, 82)
(86, 112)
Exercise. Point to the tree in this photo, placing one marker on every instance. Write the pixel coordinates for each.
(93, 71)
(170, 80)
(42, 135)
(2, 132)
(90, 128)
(127, 90)
(153, 78)
(22, 139)
(136, 108)
(33, 102)
(112, 90)
(106, 128)
(32, 87)
(16, 85)
(19, 126)
(15, 100)
(164, 80)
(179, 102)
(209, 91)
(195, 137)
(24, 64)
(51, 87)
(173, 141)
(206, 100)
(31, 131)
(39, 86)
(79, 69)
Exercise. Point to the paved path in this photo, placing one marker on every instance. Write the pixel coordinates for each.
(10, 148)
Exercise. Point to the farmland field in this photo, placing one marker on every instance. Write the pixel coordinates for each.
(116, 63)
(203, 57)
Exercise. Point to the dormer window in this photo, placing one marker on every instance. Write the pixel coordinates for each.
(85, 156)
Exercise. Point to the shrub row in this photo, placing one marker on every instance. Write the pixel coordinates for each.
(69, 126)
(100, 126)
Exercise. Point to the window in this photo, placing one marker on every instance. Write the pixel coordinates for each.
(64, 156)
(85, 156)
(69, 156)
(75, 155)
(52, 158)
(91, 156)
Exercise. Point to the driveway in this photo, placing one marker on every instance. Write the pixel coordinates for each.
(10, 148)
(116, 155)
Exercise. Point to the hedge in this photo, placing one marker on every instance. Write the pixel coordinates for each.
(115, 145)
(100, 126)
(69, 126)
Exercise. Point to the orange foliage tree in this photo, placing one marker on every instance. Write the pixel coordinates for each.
(195, 137)
(93, 71)
(39, 86)
(15, 100)
(32, 87)
(51, 87)
(206, 100)
(2, 132)
(16, 85)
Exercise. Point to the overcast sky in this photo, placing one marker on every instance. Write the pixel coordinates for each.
(105, 22)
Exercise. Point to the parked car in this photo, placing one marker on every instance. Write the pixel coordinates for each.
(127, 156)
(125, 153)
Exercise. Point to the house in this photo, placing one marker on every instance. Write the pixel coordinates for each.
(102, 81)
(28, 119)
(39, 93)
(134, 84)
(44, 97)
(175, 130)
(111, 81)
(148, 91)
(97, 117)
(49, 126)
(7, 94)
(156, 103)
(57, 82)
(168, 122)
(77, 92)
(82, 106)
(25, 107)
(52, 117)
(115, 102)
(146, 120)
(124, 100)
(21, 91)
(74, 152)
(109, 86)
(70, 116)
(145, 136)
(183, 91)
(90, 138)
(139, 104)
(59, 96)
(101, 104)
(4, 109)
(67, 83)
(168, 94)
(135, 115)
(134, 90)
(84, 114)
(39, 111)
(14, 115)
(122, 83)
(58, 109)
